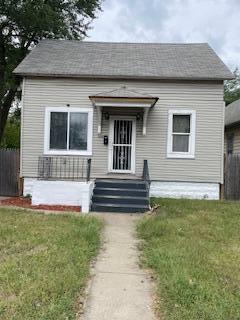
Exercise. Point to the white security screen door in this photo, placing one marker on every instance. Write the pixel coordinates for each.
(122, 145)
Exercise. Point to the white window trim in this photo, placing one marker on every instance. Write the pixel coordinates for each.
(48, 151)
(191, 152)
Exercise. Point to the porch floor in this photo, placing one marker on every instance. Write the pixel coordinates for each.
(119, 176)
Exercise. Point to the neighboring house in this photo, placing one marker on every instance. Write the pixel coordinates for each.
(135, 110)
(232, 128)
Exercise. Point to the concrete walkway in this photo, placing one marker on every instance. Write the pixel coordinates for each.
(119, 289)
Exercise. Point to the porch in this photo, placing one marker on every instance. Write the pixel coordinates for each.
(67, 180)
(118, 115)
(74, 168)
(121, 118)
(112, 133)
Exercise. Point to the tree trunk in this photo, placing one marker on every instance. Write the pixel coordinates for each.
(4, 109)
(3, 120)
(7, 92)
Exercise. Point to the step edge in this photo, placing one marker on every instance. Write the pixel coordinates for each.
(120, 182)
(119, 197)
(120, 189)
(120, 205)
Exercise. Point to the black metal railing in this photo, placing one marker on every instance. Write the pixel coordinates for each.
(64, 168)
(146, 174)
(89, 161)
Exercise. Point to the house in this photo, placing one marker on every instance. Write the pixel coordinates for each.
(100, 121)
(232, 128)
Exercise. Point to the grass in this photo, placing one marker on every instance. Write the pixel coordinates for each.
(193, 247)
(44, 263)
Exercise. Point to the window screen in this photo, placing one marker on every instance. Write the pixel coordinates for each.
(181, 133)
(68, 131)
(78, 131)
(58, 130)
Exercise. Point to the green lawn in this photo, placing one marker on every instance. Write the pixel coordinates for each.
(44, 263)
(193, 247)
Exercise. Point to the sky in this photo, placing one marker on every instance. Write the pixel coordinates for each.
(214, 21)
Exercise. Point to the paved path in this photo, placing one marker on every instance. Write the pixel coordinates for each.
(119, 289)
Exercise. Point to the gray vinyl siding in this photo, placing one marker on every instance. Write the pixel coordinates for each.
(236, 139)
(204, 97)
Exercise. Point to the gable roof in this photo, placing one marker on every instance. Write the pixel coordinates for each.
(123, 92)
(123, 60)
(232, 113)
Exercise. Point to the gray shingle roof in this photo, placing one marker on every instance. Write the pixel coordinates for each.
(232, 113)
(124, 60)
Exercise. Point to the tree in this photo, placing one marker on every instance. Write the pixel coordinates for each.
(23, 23)
(232, 88)
(11, 136)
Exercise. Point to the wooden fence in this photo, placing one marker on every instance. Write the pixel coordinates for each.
(9, 172)
(232, 177)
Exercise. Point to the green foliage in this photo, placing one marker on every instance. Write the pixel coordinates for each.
(24, 23)
(193, 248)
(232, 88)
(44, 263)
(11, 136)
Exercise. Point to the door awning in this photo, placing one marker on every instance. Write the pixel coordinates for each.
(123, 98)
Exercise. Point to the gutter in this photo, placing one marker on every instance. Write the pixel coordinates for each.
(120, 77)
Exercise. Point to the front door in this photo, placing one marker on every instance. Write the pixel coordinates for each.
(122, 145)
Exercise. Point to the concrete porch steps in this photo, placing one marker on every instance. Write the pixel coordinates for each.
(113, 195)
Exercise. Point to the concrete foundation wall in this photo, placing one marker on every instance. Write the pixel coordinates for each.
(190, 190)
(73, 193)
(80, 193)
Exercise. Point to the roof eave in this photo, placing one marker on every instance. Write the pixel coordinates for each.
(120, 77)
(122, 97)
(96, 100)
(232, 125)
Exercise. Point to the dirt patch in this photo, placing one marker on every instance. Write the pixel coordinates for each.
(27, 203)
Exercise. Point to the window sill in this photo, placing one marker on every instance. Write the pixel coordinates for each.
(67, 153)
(180, 156)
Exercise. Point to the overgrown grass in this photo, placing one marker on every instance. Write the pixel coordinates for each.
(194, 249)
(44, 263)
